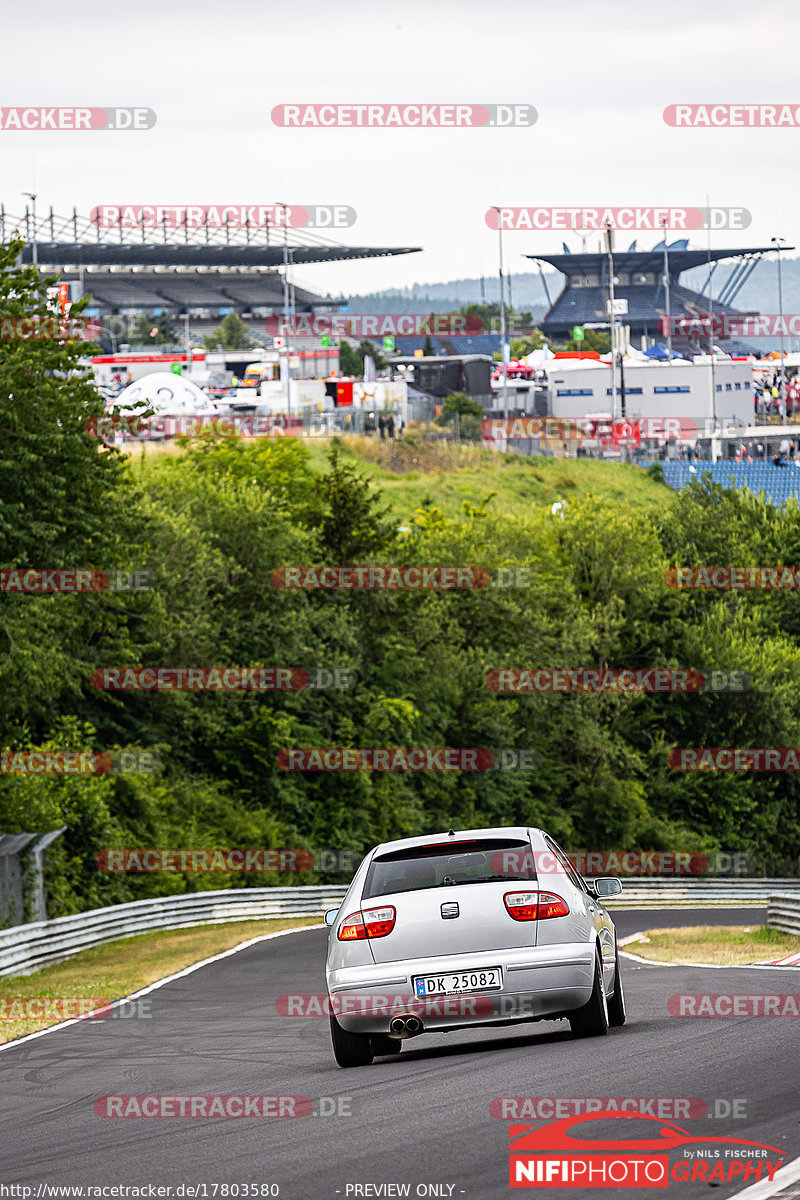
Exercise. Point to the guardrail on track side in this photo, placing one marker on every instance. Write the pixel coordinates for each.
(783, 912)
(24, 948)
(659, 891)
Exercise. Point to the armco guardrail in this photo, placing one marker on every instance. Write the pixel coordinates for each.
(660, 891)
(783, 912)
(26, 947)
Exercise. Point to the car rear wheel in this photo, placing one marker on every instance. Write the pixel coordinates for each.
(350, 1049)
(592, 1019)
(383, 1044)
(616, 1005)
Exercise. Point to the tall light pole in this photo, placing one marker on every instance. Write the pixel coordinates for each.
(666, 292)
(502, 316)
(609, 234)
(777, 241)
(35, 255)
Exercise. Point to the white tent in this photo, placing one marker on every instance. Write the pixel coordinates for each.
(538, 358)
(169, 395)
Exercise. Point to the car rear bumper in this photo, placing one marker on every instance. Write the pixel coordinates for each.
(537, 982)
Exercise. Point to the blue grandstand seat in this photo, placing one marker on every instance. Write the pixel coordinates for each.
(778, 483)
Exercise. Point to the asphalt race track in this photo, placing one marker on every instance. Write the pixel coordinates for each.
(422, 1118)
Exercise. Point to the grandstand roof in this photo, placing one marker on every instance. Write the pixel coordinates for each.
(209, 269)
(132, 254)
(644, 260)
(78, 241)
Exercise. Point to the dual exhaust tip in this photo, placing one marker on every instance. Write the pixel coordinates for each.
(405, 1025)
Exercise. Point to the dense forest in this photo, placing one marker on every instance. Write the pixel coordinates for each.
(211, 524)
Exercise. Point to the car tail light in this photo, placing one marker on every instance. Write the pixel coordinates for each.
(532, 906)
(521, 905)
(372, 923)
(551, 905)
(379, 921)
(352, 928)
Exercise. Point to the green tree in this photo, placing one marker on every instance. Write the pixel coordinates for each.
(230, 334)
(354, 526)
(593, 339)
(62, 501)
(470, 414)
(142, 331)
(351, 359)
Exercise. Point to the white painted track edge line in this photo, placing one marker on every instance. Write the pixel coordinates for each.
(771, 1187)
(152, 987)
(650, 962)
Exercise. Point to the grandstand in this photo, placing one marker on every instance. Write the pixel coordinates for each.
(640, 275)
(778, 483)
(200, 273)
(479, 343)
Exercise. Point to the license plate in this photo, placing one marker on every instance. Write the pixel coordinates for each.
(490, 979)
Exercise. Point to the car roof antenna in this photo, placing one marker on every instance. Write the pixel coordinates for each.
(451, 833)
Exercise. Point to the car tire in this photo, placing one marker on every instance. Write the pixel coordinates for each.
(592, 1019)
(616, 1005)
(382, 1044)
(350, 1049)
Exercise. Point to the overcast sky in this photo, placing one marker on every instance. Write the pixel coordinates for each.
(599, 76)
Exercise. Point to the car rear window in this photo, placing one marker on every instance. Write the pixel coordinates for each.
(442, 864)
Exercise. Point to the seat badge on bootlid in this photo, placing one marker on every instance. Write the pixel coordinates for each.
(450, 910)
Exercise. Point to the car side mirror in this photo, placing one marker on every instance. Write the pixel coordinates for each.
(609, 885)
(330, 915)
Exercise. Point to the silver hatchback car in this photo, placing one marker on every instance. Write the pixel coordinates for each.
(483, 927)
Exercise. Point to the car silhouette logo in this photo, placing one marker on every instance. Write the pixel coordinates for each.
(556, 1136)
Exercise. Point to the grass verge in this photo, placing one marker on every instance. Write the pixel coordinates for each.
(117, 969)
(723, 945)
